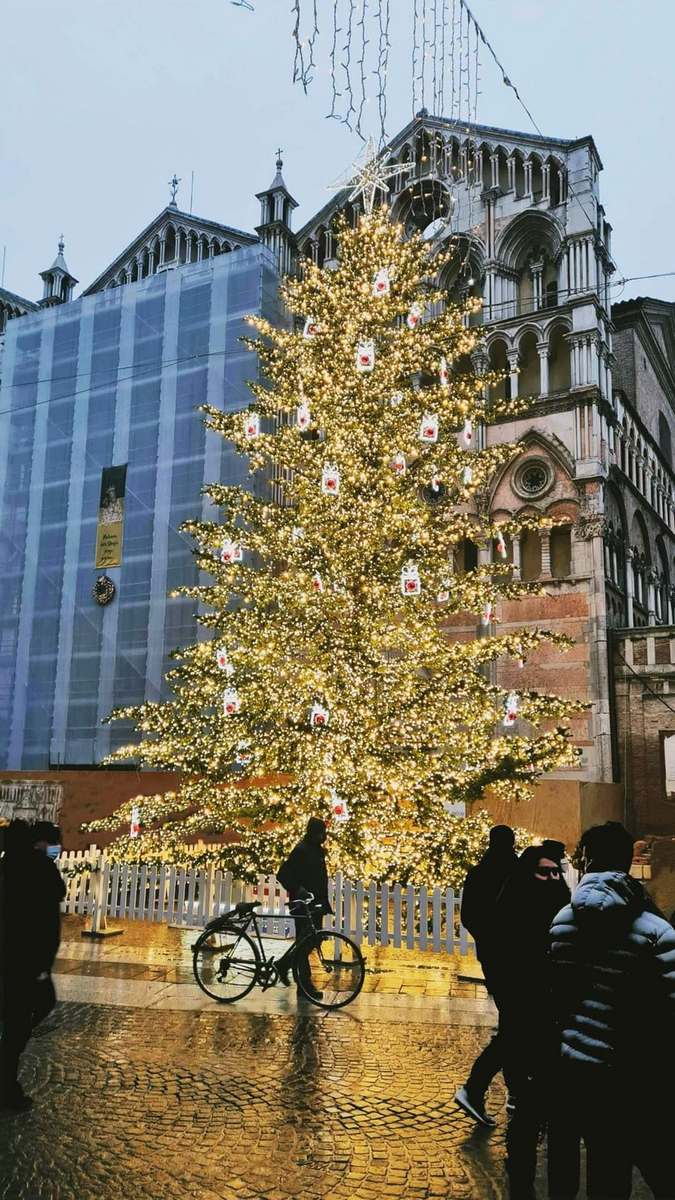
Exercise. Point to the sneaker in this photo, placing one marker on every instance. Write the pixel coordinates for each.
(474, 1107)
(15, 1099)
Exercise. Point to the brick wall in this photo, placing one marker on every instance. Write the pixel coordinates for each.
(88, 795)
(644, 674)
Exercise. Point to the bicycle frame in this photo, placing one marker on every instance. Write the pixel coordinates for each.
(235, 922)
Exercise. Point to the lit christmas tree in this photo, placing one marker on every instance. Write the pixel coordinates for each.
(331, 685)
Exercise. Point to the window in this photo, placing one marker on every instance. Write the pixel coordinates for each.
(532, 478)
(561, 552)
(665, 442)
(530, 555)
(466, 556)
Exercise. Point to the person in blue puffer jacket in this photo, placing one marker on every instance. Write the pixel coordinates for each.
(613, 987)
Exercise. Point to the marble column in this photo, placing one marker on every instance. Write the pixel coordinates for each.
(512, 356)
(546, 554)
(542, 351)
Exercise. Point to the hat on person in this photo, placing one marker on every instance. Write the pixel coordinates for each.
(553, 849)
(317, 830)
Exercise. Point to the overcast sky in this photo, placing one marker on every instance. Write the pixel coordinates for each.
(102, 100)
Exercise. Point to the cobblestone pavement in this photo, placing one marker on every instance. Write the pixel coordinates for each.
(221, 1105)
(245, 1107)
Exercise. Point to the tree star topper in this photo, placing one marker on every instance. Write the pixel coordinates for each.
(369, 175)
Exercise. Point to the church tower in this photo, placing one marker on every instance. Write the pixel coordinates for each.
(58, 281)
(274, 230)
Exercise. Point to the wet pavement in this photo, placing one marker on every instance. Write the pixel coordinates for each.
(284, 1102)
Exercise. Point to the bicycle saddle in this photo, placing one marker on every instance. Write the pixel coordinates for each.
(245, 907)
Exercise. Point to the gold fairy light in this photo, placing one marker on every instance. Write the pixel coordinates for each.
(331, 670)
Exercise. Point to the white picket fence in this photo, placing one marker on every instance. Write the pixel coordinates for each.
(373, 914)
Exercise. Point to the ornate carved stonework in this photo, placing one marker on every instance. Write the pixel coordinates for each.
(589, 526)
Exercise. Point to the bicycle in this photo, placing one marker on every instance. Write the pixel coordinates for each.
(228, 962)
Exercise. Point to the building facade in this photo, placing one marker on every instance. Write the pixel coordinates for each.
(111, 382)
(531, 238)
(524, 216)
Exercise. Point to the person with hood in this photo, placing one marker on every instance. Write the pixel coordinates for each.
(613, 967)
(482, 885)
(31, 891)
(527, 905)
(304, 873)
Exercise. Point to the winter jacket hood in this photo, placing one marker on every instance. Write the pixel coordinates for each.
(613, 963)
(606, 901)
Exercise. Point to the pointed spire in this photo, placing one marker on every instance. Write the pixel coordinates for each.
(278, 181)
(58, 281)
(276, 207)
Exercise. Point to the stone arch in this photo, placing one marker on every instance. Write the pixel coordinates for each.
(662, 586)
(527, 232)
(169, 243)
(528, 361)
(559, 364)
(641, 562)
(464, 275)
(497, 351)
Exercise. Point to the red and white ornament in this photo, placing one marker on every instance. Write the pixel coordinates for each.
(467, 432)
(443, 373)
(338, 806)
(231, 702)
(411, 584)
(303, 417)
(467, 476)
(319, 716)
(414, 315)
(488, 613)
(444, 594)
(243, 754)
(317, 582)
(330, 480)
(382, 282)
(398, 463)
(429, 428)
(365, 356)
(223, 661)
(510, 710)
(251, 426)
(502, 550)
(310, 329)
(231, 552)
(135, 825)
(435, 481)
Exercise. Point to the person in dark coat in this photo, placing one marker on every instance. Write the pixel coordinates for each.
(31, 891)
(482, 885)
(613, 966)
(304, 873)
(527, 905)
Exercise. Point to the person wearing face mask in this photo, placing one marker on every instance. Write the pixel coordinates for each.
(31, 891)
(304, 872)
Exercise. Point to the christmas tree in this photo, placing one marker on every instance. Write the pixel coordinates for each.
(330, 685)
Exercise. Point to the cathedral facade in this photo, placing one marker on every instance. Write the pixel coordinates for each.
(530, 237)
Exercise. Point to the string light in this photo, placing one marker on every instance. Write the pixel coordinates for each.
(352, 688)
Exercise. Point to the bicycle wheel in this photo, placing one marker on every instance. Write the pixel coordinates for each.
(336, 968)
(225, 964)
